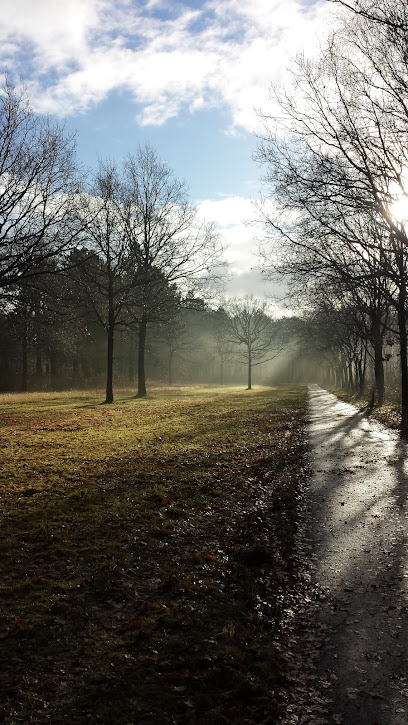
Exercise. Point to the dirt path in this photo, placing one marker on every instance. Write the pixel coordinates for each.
(354, 649)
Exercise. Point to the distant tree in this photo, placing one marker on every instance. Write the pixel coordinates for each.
(44, 334)
(330, 335)
(252, 331)
(8, 354)
(196, 353)
(174, 337)
(224, 348)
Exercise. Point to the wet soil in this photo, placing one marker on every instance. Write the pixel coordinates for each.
(349, 647)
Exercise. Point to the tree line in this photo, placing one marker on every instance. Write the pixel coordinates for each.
(336, 173)
(46, 347)
(107, 272)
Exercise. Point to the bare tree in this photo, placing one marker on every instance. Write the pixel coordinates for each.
(346, 124)
(252, 331)
(106, 275)
(38, 181)
(169, 246)
(390, 14)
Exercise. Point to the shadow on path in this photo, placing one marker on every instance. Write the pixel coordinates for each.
(358, 532)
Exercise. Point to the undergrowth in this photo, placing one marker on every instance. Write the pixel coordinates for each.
(146, 551)
(389, 413)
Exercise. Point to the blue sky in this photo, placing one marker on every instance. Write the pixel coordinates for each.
(185, 76)
(195, 146)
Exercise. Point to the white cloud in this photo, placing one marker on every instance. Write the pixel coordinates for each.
(57, 33)
(236, 220)
(228, 212)
(168, 57)
(230, 217)
(253, 282)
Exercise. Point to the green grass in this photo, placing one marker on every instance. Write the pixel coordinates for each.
(145, 554)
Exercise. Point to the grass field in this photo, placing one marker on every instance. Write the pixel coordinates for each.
(146, 550)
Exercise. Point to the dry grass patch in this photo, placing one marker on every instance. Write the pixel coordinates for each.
(145, 554)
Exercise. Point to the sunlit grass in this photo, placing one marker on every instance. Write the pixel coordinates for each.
(145, 552)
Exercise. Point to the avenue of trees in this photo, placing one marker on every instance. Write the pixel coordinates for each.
(104, 276)
(336, 169)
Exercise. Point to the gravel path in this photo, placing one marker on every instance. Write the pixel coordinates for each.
(355, 664)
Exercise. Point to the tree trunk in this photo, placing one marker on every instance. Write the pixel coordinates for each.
(54, 369)
(357, 367)
(24, 376)
(350, 376)
(221, 371)
(131, 362)
(141, 376)
(362, 372)
(85, 368)
(379, 371)
(38, 362)
(402, 327)
(344, 379)
(170, 369)
(377, 339)
(249, 371)
(109, 361)
(75, 369)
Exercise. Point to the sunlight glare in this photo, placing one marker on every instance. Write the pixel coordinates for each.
(399, 209)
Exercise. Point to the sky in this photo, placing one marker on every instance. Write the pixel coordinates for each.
(188, 77)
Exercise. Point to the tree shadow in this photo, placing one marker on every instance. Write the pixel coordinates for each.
(359, 537)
